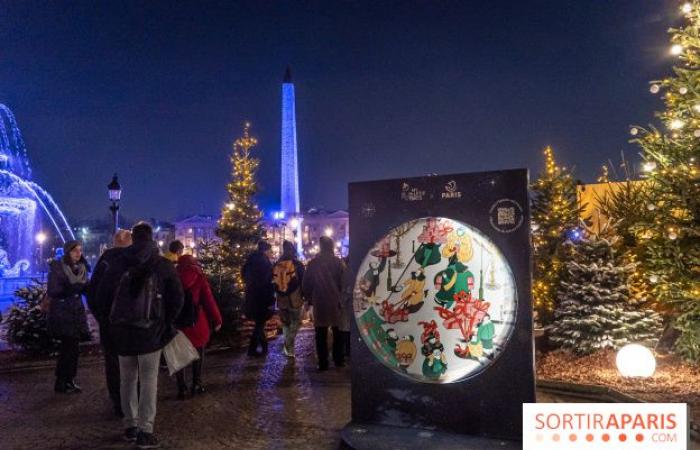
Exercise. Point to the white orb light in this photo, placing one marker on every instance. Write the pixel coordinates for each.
(676, 49)
(634, 360)
(683, 90)
(654, 89)
(687, 8)
(634, 131)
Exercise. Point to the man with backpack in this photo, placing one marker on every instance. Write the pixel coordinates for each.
(287, 276)
(147, 299)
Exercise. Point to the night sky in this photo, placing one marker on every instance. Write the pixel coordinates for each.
(157, 91)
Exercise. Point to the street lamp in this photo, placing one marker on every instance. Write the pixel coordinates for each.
(115, 194)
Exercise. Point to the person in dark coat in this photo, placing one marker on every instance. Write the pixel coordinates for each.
(288, 276)
(100, 306)
(195, 283)
(67, 321)
(323, 284)
(139, 348)
(259, 294)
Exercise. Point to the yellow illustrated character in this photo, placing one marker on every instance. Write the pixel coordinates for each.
(459, 246)
(414, 292)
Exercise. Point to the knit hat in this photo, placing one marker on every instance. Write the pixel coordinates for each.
(70, 245)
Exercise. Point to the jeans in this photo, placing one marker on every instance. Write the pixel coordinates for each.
(322, 347)
(196, 372)
(67, 362)
(291, 319)
(258, 337)
(139, 389)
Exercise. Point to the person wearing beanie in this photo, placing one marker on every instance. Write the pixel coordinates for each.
(288, 276)
(322, 287)
(66, 319)
(259, 295)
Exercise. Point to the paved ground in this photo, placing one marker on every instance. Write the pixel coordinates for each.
(270, 403)
(250, 404)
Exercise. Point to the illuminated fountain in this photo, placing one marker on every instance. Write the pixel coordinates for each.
(26, 210)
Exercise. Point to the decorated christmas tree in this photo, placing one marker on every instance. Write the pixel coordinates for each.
(240, 225)
(555, 210)
(594, 310)
(671, 154)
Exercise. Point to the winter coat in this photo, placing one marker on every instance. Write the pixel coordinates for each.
(259, 291)
(66, 316)
(346, 313)
(323, 284)
(145, 258)
(194, 281)
(288, 290)
(100, 297)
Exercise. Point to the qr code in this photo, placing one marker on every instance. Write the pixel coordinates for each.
(506, 216)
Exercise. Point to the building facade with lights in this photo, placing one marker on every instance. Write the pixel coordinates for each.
(194, 229)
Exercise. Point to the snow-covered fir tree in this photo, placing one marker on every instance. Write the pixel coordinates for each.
(594, 311)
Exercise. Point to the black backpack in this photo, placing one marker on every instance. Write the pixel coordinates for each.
(189, 312)
(137, 300)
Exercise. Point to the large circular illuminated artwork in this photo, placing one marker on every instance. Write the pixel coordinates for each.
(435, 300)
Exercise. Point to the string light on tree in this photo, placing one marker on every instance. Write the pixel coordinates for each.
(671, 250)
(240, 226)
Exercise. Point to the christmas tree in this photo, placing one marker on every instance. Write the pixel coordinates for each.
(555, 210)
(210, 255)
(594, 310)
(623, 206)
(240, 226)
(671, 153)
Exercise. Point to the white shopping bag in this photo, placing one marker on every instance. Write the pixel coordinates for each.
(179, 353)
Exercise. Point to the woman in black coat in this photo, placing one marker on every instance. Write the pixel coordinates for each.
(259, 294)
(67, 322)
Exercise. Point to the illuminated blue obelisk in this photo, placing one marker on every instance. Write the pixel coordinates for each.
(290, 169)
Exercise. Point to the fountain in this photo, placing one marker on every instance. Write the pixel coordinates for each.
(25, 210)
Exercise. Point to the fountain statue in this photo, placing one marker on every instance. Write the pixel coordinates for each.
(25, 209)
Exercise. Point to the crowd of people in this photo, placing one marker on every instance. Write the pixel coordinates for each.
(141, 299)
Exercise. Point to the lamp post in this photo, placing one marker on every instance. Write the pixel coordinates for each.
(115, 194)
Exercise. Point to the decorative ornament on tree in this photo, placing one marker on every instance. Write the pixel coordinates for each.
(683, 90)
(634, 131)
(654, 89)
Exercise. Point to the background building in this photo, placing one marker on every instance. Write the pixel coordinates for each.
(194, 229)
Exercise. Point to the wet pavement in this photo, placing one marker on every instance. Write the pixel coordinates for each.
(260, 403)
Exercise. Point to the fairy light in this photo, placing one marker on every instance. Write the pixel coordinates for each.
(676, 49)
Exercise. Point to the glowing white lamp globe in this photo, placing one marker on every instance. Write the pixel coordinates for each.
(634, 360)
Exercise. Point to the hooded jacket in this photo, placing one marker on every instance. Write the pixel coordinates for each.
(144, 258)
(194, 280)
(66, 315)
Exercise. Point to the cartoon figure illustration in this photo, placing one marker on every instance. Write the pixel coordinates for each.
(459, 245)
(406, 352)
(467, 312)
(434, 234)
(452, 281)
(414, 292)
(486, 331)
(392, 314)
(370, 280)
(435, 363)
(476, 350)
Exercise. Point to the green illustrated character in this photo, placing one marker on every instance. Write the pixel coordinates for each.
(456, 278)
(381, 342)
(435, 363)
(486, 331)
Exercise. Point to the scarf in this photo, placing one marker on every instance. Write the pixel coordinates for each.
(75, 278)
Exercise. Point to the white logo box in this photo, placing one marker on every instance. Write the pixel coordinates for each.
(601, 426)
